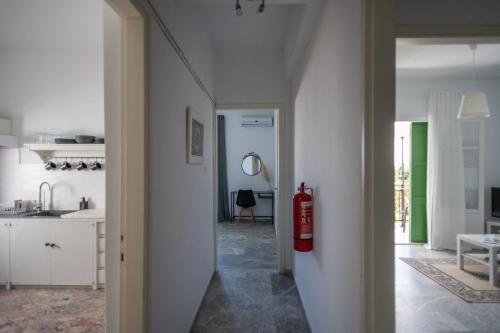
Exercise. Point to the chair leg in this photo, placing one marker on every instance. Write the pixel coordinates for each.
(239, 216)
(252, 218)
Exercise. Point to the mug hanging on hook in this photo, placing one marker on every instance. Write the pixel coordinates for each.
(65, 165)
(95, 165)
(81, 165)
(50, 165)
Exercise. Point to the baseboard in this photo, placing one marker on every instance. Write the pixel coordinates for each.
(201, 301)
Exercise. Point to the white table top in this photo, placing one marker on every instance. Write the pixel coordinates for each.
(477, 239)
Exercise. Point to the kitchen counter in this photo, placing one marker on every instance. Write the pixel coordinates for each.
(35, 215)
(86, 214)
(98, 214)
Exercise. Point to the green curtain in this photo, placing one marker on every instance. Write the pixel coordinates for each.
(418, 180)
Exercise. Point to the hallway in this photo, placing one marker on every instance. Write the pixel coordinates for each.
(247, 294)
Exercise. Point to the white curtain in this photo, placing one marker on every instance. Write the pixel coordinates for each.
(445, 172)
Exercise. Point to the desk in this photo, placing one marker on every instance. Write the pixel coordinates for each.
(261, 195)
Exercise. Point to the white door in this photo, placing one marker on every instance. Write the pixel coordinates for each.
(4, 251)
(30, 252)
(73, 256)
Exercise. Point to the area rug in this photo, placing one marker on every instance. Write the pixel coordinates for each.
(471, 285)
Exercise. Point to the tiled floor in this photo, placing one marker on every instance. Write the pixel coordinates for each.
(248, 294)
(422, 305)
(30, 310)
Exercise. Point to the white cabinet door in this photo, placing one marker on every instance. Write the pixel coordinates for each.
(4, 251)
(29, 253)
(73, 256)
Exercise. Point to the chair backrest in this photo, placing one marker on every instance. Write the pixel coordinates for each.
(245, 198)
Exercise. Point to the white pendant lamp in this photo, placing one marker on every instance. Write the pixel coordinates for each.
(474, 105)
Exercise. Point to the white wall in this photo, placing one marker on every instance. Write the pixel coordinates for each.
(21, 181)
(243, 140)
(412, 96)
(328, 133)
(181, 195)
(51, 81)
(51, 78)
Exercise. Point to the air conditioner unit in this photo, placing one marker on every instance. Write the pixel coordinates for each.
(257, 121)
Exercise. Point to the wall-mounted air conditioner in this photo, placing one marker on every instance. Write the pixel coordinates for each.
(251, 121)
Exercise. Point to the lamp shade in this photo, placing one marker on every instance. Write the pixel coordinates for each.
(474, 106)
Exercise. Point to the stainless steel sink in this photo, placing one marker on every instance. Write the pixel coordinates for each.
(50, 213)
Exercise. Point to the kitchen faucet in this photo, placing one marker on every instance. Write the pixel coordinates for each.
(41, 207)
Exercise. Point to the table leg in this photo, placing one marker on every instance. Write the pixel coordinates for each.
(232, 207)
(272, 208)
(493, 267)
(460, 254)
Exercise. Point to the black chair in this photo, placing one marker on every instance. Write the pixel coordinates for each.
(246, 201)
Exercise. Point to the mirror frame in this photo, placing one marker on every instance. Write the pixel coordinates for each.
(251, 154)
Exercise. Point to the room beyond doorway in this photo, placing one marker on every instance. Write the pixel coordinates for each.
(247, 172)
(402, 182)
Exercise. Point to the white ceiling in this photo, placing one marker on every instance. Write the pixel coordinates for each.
(249, 31)
(449, 60)
(20, 22)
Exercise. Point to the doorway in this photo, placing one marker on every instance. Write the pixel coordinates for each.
(267, 130)
(447, 155)
(247, 177)
(402, 182)
(126, 123)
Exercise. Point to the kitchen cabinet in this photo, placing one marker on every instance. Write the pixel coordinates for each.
(72, 255)
(52, 252)
(4, 252)
(29, 254)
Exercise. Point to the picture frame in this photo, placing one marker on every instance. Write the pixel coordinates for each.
(195, 130)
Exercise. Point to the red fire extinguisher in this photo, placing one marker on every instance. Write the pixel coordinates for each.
(303, 220)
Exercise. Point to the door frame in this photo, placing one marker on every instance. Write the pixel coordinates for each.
(380, 34)
(127, 224)
(280, 199)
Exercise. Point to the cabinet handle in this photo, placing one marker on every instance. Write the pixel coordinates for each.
(52, 245)
(47, 244)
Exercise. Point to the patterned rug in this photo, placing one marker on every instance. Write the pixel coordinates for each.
(470, 285)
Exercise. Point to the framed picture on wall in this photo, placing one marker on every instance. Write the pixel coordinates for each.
(195, 134)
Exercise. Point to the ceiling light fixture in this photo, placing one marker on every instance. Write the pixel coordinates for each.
(261, 8)
(474, 104)
(239, 10)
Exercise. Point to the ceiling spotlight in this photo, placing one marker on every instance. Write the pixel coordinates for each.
(261, 8)
(239, 11)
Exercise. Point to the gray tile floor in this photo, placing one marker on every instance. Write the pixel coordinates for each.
(248, 294)
(422, 305)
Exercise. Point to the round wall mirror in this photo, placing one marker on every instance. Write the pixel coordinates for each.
(251, 164)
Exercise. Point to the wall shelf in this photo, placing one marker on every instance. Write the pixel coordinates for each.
(58, 151)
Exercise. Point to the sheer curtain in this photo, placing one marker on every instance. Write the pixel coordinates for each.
(445, 172)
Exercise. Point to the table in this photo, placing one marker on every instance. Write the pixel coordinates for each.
(491, 223)
(490, 259)
(261, 195)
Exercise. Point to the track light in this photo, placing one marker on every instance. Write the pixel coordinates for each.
(261, 8)
(239, 11)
